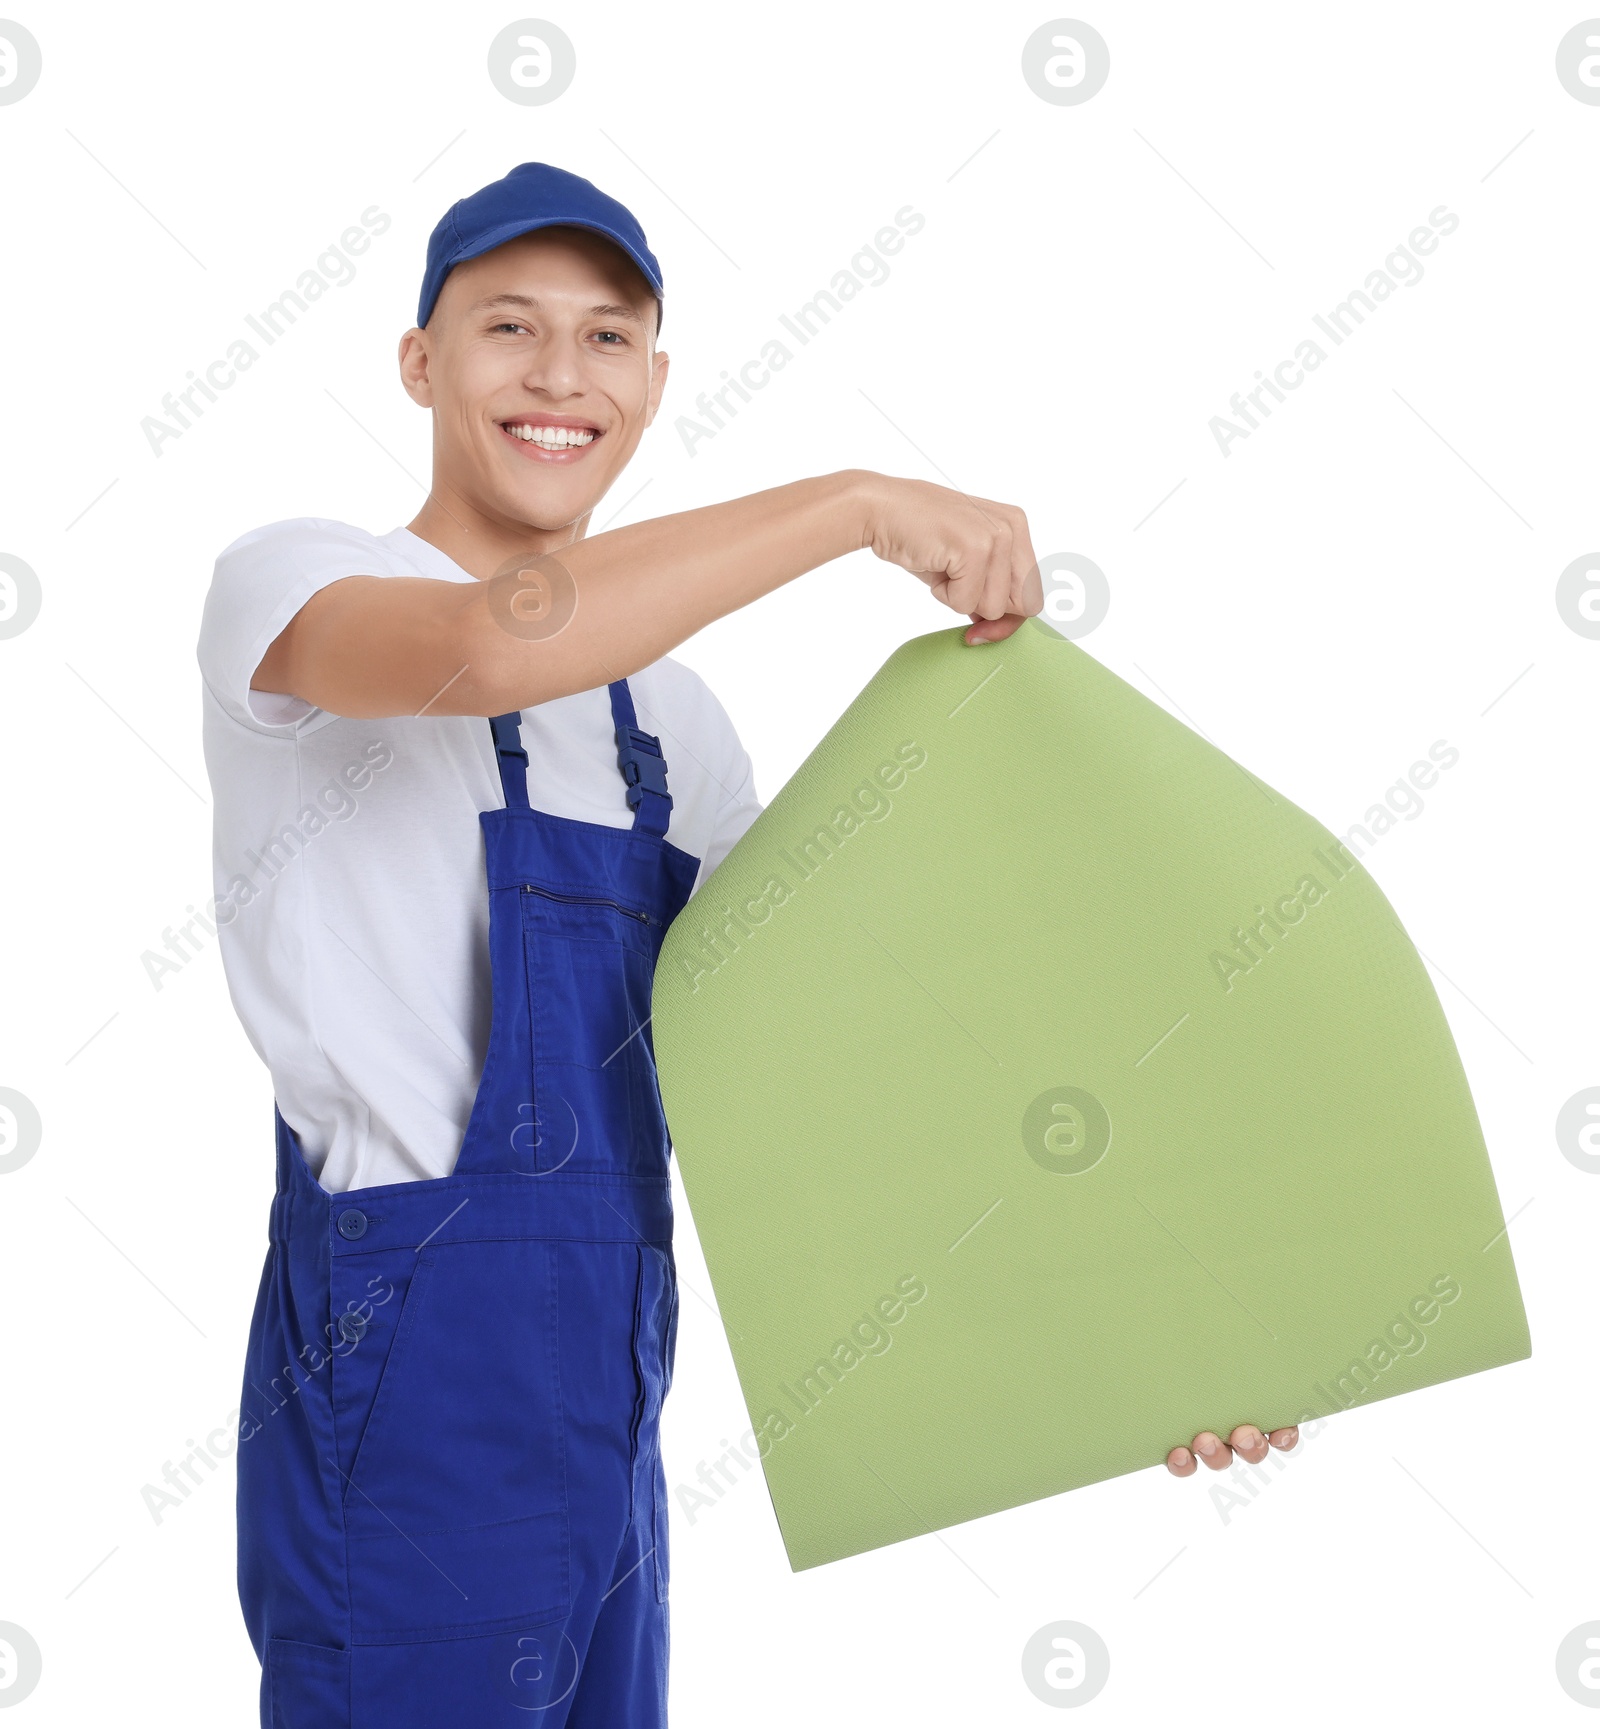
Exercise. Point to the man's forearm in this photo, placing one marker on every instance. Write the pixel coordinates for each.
(595, 611)
(640, 591)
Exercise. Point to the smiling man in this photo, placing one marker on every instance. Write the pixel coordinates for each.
(452, 1508)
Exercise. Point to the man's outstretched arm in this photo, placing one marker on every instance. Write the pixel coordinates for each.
(369, 646)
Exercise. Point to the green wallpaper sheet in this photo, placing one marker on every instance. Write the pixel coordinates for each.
(1047, 1088)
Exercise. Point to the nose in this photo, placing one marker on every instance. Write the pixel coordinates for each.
(555, 369)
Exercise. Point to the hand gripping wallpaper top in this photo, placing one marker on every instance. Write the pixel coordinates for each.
(1047, 1088)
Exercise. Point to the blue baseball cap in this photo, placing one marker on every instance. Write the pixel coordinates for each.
(533, 195)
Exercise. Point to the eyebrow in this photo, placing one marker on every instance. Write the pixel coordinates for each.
(527, 301)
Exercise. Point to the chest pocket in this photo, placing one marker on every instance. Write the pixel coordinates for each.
(597, 1106)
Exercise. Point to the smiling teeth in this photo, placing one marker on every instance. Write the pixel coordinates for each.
(551, 437)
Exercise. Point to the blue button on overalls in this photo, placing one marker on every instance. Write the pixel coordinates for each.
(451, 1502)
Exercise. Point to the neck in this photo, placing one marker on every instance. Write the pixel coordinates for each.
(481, 540)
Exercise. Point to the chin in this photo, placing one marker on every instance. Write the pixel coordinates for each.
(550, 505)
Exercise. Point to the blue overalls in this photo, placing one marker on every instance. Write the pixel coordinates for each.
(452, 1509)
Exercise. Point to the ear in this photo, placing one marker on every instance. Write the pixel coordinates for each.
(415, 362)
(658, 385)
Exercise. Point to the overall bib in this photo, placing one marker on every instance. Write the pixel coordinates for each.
(452, 1509)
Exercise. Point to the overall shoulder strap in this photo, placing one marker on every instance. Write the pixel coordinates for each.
(511, 758)
(644, 768)
(639, 758)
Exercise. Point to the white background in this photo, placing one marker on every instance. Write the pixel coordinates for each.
(1372, 570)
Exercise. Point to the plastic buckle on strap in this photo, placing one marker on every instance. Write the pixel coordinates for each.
(643, 767)
(509, 749)
(508, 736)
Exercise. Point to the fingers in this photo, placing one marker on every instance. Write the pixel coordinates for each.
(1247, 1442)
(1012, 586)
(993, 629)
(996, 599)
(994, 577)
(1213, 1452)
(976, 554)
(1027, 588)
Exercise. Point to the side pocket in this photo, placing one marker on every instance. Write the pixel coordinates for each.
(357, 1393)
(662, 1521)
(655, 1316)
(641, 1380)
(661, 1534)
(672, 1319)
(304, 1686)
(456, 1517)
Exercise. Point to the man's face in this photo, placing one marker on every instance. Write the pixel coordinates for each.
(539, 364)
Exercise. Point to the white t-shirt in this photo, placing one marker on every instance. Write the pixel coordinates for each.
(351, 905)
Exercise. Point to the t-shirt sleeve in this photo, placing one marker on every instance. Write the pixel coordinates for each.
(738, 809)
(737, 805)
(259, 584)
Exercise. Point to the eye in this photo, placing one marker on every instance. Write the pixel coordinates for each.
(611, 338)
(493, 328)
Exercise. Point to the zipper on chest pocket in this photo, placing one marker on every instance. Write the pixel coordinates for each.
(589, 901)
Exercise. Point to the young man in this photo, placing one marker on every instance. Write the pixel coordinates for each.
(460, 793)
